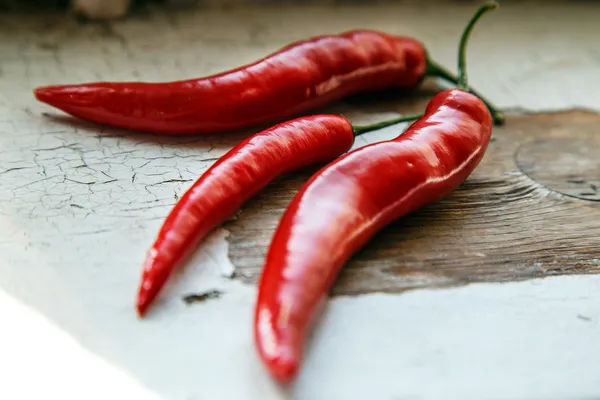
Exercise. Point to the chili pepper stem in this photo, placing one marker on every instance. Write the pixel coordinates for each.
(461, 81)
(462, 47)
(435, 69)
(360, 129)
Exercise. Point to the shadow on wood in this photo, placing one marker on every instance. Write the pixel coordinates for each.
(531, 209)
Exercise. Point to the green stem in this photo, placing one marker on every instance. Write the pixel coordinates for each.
(359, 130)
(434, 69)
(462, 48)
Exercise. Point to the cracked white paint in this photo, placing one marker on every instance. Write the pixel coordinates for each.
(80, 206)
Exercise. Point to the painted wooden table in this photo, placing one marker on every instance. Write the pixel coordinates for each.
(492, 293)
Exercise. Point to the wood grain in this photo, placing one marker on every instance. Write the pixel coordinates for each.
(531, 209)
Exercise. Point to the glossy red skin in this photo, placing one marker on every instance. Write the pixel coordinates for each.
(344, 204)
(299, 77)
(234, 179)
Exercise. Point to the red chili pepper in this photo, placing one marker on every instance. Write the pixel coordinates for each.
(235, 178)
(344, 204)
(299, 77)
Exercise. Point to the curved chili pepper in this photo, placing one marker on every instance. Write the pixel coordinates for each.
(345, 203)
(237, 176)
(299, 77)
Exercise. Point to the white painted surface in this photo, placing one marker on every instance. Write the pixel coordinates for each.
(530, 340)
(80, 205)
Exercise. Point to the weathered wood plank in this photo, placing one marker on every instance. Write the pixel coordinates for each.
(531, 209)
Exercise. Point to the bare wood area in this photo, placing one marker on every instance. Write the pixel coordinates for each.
(531, 209)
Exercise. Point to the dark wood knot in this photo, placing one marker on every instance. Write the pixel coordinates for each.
(567, 166)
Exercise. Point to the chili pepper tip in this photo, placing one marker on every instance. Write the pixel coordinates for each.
(284, 370)
(142, 305)
(41, 94)
(66, 97)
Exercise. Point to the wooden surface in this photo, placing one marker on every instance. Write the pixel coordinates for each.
(531, 209)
